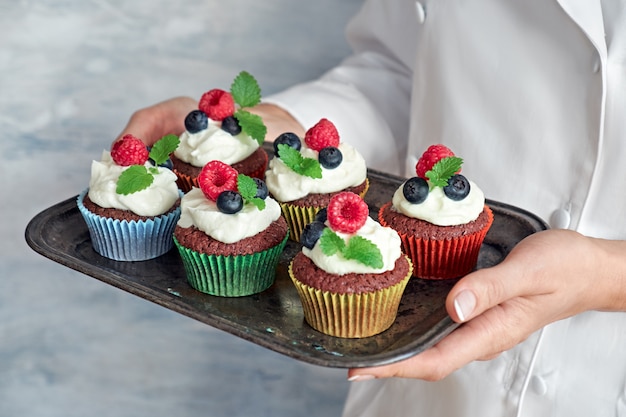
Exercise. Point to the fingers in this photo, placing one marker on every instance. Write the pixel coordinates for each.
(152, 123)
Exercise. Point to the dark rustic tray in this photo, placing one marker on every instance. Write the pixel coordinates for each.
(273, 318)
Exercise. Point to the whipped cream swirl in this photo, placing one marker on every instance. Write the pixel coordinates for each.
(213, 143)
(286, 185)
(155, 200)
(440, 210)
(385, 238)
(199, 211)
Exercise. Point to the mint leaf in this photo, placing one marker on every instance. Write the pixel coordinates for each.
(252, 125)
(247, 188)
(134, 178)
(296, 162)
(358, 248)
(162, 149)
(445, 168)
(245, 90)
(331, 243)
(364, 251)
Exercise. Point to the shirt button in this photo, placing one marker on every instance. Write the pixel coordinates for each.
(421, 12)
(538, 385)
(560, 219)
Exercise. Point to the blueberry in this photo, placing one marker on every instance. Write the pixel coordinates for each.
(458, 187)
(231, 125)
(196, 121)
(311, 234)
(261, 189)
(229, 202)
(287, 138)
(415, 190)
(322, 215)
(330, 157)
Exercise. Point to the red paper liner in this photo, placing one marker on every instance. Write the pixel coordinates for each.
(442, 258)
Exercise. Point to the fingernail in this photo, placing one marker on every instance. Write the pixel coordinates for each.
(358, 378)
(464, 304)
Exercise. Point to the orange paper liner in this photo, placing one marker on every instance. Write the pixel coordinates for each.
(298, 217)
(442, 258)
(350, 315)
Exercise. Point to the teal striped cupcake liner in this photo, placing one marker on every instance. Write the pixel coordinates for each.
(232, 275)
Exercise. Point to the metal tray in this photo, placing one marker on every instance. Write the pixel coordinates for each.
(273, 319)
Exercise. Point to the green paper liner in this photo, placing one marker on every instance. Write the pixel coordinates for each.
(298, 217)
(233, 275)
(442, 258)
(350, 315)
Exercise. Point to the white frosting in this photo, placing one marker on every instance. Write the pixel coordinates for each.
(199, 211)
(155, 200)
(385, 238)
(287, 185)
(440, 210)
(213, 143)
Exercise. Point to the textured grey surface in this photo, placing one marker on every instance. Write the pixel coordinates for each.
(71, 73)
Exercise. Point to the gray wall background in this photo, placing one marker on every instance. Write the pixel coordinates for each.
(71, 73)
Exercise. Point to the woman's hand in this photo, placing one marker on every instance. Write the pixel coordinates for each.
(547, 277)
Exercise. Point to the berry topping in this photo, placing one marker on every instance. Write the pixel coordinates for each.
(330, 157)
(347, 212)
(290, 139)
(415, 190)
(229, 202)
(216, 177)
(129, 151)
(321, 215)
(196, 121)
(323, 134)
(458, 187)
(311, 234)
(231, 125)
(261, 189)
(217, 104)
(430, 157)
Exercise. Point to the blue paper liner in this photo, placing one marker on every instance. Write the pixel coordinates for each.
(122, 240)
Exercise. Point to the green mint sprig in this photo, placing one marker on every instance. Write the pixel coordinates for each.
(247, 188)
(358, 248)
(138, 177)
(299, 164)
(247, 93)
(443, 170)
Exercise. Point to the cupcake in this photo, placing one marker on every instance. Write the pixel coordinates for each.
(351, 272)
(304, 175)
(230, 234)
(440, 216)
(220, 129)
(132, 204)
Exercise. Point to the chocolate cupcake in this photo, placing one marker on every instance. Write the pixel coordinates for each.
(221, 129)
(440, 216)
(304, 175)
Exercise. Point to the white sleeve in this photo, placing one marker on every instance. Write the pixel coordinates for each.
(367, 96)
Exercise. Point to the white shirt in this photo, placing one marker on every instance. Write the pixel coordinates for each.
(532, 95)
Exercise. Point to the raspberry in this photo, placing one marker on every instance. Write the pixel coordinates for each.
(323, 134)
(430, 157)
(217, 104)
(347, 212)
(129, 151)
(216, 177)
